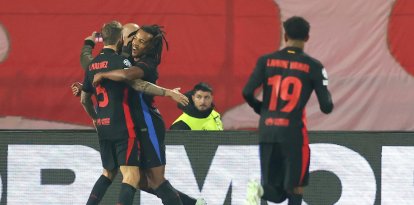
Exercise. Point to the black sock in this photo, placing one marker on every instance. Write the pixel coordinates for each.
(149, 191)
(126, 195)
(274, 194)
(98, 190)
(295, 199)
(187, 200)
(167, 194)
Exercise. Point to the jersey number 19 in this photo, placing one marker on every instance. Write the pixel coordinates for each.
(280, 89)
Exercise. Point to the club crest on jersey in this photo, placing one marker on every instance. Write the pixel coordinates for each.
(324, 73)
(325, 76)
(127, 63)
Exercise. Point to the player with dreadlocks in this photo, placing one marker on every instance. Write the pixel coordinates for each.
(147, 47)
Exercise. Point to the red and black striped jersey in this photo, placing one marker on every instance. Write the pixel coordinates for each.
(113, 98)
(288, 78)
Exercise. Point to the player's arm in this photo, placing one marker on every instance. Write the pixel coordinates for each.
(86, 97)
(152, 89)
(120, 75)
(147, 87)
(322, 92)
(76, 88)
(87, 104)
(127, 44)
(255, 80)
(86, 52)
(132, 77)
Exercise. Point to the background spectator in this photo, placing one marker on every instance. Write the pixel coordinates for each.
(199, 114)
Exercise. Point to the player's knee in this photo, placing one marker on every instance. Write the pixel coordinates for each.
(298, 190)
(130, 175)
(131, 179)
(155, 177)
(295, 191)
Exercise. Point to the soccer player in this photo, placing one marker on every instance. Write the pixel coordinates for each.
(147, 47)
(288, 78)
(113, 118)
(128, 31)
(119, 146)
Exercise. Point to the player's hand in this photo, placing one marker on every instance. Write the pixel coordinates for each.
(91, 37)
(177, 96)
(76, 88)
(97, 79)
(127, 40)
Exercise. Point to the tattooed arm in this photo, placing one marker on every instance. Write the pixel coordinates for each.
(152, 89)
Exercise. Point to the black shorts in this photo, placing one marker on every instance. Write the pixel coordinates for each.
(115, 153)
(151, 136)
(284, 166)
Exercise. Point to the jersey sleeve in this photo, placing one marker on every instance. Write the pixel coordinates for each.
(320, 84)
(123, 62)
(149, 68)
(86, 54)
(87, 84)
(255, 81)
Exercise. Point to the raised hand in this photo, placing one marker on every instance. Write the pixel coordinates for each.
(177, 96)
(76, 88)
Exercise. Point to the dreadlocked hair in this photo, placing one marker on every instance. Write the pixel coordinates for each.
(156, 44)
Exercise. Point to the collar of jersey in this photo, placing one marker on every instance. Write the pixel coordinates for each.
(294, 49)
(108, 50)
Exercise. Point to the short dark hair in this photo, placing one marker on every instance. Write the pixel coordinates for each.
(297, 28)
(111, 32)
(203, 87)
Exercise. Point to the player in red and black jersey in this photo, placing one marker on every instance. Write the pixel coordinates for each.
(147, 47)
(119, 146)
(288, 78)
